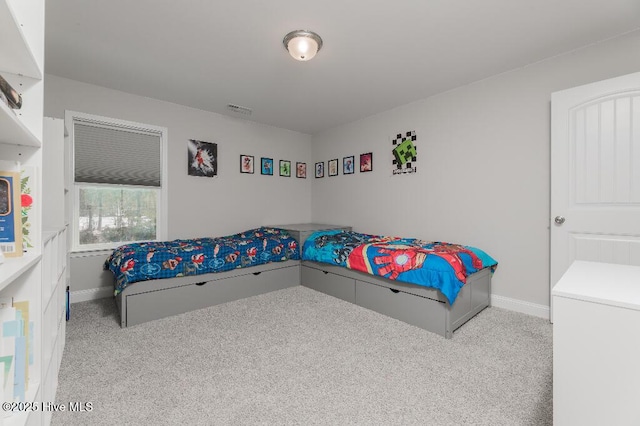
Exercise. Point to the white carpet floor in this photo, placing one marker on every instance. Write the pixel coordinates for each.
(300, 357)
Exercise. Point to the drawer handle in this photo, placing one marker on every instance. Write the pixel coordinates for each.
(325, 272)
(257, 273)
(393, 290)
(202, 283)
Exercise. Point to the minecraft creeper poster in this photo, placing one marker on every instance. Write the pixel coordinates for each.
(404, 153)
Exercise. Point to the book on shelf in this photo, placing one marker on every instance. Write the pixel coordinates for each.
(8, 331)
(21, 329)
(26, 187)
(16, 348)
(10, 213)
(28, 201)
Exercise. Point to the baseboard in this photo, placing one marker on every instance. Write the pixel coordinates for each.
(91, 294)
(523, 307)
(541, 311)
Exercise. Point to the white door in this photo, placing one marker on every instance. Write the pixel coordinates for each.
(595, 174)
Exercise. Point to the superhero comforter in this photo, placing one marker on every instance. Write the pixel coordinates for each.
(443, 266)
(153, 260)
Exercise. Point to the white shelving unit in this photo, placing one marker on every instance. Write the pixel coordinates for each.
(54, 260)
(13, 130)
(38, 277)
(14, 268)
(22, 38)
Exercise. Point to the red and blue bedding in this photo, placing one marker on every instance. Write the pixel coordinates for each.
(440, 265)
(168, 259)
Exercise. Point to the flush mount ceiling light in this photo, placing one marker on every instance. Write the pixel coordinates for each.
(302, 45)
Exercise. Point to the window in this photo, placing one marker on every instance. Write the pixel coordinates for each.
(118, 178)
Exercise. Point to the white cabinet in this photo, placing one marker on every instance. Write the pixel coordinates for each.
(38, 278)
(55, 275)
(54, 284)
(596, 373)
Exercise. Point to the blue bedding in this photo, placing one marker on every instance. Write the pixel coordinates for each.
(439, 265)
(168, 259)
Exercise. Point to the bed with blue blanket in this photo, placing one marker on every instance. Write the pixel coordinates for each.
(161, 278)
(456, 278)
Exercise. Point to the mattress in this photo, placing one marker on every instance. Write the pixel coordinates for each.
(440, 265)
(154, 260)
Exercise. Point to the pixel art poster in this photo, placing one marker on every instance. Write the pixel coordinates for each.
(404, 152)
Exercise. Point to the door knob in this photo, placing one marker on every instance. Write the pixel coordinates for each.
(559, 220)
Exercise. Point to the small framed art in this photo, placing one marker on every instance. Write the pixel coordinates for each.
(246, 163)
(301, 170)
(347, 165)
(266, 166)
(202, 158)
(320, 169)
(333, 167)
(366, 162)
(285, 168)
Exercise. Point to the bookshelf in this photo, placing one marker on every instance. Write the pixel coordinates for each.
(14, 268)
(36, 282)
(22, 38)
(13, 130)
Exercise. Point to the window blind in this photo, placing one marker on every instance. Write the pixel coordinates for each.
(119, 156)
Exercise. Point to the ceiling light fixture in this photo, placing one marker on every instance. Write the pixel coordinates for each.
(302, 45)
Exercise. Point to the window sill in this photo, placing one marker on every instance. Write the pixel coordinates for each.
(90, 253)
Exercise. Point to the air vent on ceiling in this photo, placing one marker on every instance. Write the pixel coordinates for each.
(239, 109)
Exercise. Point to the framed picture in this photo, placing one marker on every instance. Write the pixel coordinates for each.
(347, 165)
(301, 170)
(10, 213)
(320, 169)
(333, 167)
(202, 158)
(266, 166)
(246, 163)
(366, 162)
(285, 168)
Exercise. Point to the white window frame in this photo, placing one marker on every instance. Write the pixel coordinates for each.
(162, 206)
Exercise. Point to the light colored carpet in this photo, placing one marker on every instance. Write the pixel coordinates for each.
(297, 356)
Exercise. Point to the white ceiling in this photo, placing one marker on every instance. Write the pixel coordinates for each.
(377, 54)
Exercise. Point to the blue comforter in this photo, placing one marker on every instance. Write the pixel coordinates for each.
(440, 265)
(168, 259)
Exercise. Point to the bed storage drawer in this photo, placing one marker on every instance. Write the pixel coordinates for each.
(147, 306)
(326, 282)
(416, 310)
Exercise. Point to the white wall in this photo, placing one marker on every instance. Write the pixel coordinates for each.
(198, 206)
(483, 168)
